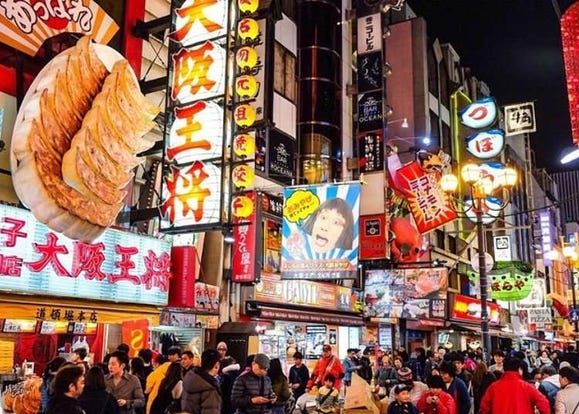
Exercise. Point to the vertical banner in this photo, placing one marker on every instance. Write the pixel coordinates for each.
(320, 232)
(194, 134)
(136, 335)
(245, 252)
(373, 237)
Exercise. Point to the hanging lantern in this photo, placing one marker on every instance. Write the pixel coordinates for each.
(244, 115)
(244, 145)
(246, 86)
(511, 284)
(248, 29)
(246, 57)
(243, 176)
(241, 206)
(248, 6)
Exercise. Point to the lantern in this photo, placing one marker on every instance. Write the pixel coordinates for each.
(246, 86)
(511, 284)
(244, 115)
(243, 176)
(242, 206)
(244, 145)
(246, 57)
(248, 29)
(248, 6)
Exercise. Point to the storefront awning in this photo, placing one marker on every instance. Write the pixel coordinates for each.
(325, 317)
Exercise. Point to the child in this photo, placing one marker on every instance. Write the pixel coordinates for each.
(434, 400)
(402, 404)
(327, 399)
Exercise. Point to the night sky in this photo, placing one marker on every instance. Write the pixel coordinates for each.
(515, 47)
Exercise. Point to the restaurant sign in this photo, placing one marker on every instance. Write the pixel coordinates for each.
(118, 266)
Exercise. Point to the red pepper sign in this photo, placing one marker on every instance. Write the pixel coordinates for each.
(118, 266)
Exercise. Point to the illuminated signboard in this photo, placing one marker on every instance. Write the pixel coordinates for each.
(192, 188)
(480, 114)
(118, 266)
(546, 238)
(468, 309)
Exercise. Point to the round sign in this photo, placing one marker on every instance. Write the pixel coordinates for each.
(244, 145)
(244, 115)
(248, 29)
(242, 206)
(246, 86)
(243, 176)
(489, 262)
(248, 6)
(246, 57)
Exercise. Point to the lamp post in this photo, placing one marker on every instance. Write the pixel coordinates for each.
(570, 258)
(482, 185)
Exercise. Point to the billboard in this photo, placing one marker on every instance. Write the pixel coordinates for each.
(320, 232)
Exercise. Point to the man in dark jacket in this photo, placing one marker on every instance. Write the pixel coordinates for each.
(68, 385)
(201, 394)
(252, 392)
(455, 387)
(571, 356)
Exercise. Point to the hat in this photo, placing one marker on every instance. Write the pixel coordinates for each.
(405, 374)
(564, 364)
(327, 347)
(436, 382)
(401, 387)
(356, 350)
(221, 346)
(262, 360)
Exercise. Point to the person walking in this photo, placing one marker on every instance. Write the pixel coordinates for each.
(201, 393)
(168, 395)
(68, 385)
(549, 385)
(402, 404)
(95, 399)
(567, 400)
(252, 392)
(298, 376)
(512, 394)
(125, 387)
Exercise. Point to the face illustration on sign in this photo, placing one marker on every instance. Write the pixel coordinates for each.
(330, 226)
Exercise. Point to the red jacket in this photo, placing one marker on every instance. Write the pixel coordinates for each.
(511, 394)
(325, 366)
(445, 404)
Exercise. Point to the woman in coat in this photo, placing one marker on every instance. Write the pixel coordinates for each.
(201, 393)
(94, 398)
(170, 390)
(386, 377)
(279, 385)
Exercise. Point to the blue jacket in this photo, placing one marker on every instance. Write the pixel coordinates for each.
(349, 367)
(459, 393)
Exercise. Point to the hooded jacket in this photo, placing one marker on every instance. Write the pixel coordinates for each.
(201, 394)
(549, 388)
(325, 366)
(511, 394)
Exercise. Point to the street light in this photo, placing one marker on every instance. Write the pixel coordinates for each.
(570, 258)
(482, 184)
(570, 154)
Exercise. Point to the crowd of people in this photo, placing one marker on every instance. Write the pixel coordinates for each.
(214, 383)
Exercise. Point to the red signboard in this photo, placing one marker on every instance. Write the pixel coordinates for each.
(468, 309)
(373, 237)
(245, 245)
(136, 335)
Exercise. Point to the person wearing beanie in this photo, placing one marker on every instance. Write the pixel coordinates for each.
(252, 392)
(512, 394)
(435, 400)
(402, 404)
(201, 393)
(417, 388)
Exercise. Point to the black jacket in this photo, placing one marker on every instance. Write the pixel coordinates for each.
(201, 393)
(247, 386)
(98, 402)
(300, 376)
(61, 404)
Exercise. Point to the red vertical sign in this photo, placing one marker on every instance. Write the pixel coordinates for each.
(373, 237)
(136, 335)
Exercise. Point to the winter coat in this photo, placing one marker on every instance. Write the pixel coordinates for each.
(445, 404)
(567, 399)
(511, 394)
(168, 397)
(281, 390)
(129, 389)
(201, 393)
(350, 365)
(325, 366)
(299, 376)
(247, 386)
(154, 382)
(549, 387)
(327, 399)
(418, 388)
(459, 393)
(401, 408)
(543, 361)
(61, 404)
(98, 402)
(386, 377)
(366, 370)
(478, 390)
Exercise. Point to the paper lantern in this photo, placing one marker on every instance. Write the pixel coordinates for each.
(511, 284)
(248, 29)
(248, 6)
(244, 115)
(244, 145)
(241, 206)
(243, 176)
(246, 57)
(246, 86)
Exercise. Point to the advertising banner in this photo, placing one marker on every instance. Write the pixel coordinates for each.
(520, 119)
(370, 116)
(410, 293)
(539, 316)
(430, 206)
(245, 252)
(369, 34)
(370, 72)
(320, 232)
(373, 237)
(468, 309)
(371, 151)
(136, 335)
(118, 266)
(281, 156)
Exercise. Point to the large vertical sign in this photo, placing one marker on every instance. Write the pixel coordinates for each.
(320, 232)
(546, 236)
(245, 208)
(569, 34)
(194, 138)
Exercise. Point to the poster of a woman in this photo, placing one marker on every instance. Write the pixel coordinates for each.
(320, 232)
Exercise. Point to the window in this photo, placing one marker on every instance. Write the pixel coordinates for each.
(284, 81)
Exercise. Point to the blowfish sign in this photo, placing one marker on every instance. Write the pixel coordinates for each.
(320, 232)
(26, 24)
